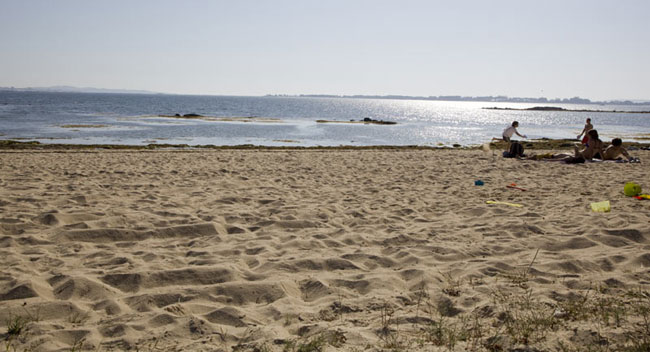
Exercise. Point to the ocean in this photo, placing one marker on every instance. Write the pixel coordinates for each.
(134, 119)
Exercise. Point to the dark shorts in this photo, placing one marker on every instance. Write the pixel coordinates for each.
(575, 160)
(507, 139)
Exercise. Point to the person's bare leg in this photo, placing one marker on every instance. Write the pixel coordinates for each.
(559, 157)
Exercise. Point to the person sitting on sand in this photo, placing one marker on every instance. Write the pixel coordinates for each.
(615, 150)
(588, 127)
(509, 131)
(594, 148)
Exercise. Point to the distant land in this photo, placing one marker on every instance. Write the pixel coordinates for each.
(491, 99)
(555, 108)
(70, 89)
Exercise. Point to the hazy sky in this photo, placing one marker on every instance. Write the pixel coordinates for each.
(593, 49)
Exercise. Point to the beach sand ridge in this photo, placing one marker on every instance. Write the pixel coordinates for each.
(217, 249)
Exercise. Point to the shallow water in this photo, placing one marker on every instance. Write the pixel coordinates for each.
(133, 119)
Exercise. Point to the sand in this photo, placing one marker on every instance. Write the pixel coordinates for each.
(268, 250)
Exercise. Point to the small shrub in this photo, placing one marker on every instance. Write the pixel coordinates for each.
(16, 325)
(315, 345)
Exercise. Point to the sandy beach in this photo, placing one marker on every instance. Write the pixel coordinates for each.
(309, 250)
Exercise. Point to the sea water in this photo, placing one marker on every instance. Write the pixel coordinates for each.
(134, 119)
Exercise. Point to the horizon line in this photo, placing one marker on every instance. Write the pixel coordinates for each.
(452, 97)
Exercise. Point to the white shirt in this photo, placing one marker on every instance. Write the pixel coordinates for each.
(508, 132)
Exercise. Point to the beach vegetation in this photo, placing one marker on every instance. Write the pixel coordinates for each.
(421, 297)
(521, 276)
(289, 319)
(524, 319)
(595, 316)
(78, 317)
(451, 285)
(32, 316)
(16, 325)
(442, 332)
(77, 345)
(316, 344)
(389, 334)
(148, 346)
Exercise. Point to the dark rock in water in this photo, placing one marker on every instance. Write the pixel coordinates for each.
(457, 145)
(191, 115)
(546, 108)
(177, 115)
(365, 120)
(379, 122)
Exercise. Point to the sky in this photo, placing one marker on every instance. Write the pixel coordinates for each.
(555, 49)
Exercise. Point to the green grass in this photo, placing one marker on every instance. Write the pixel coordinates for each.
(16, 325)
(316, 344)
(512, 317)
(517, 316)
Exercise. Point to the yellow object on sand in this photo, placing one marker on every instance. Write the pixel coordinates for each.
(632, 189)
(544, 156)
(601, 207)
(505, 203)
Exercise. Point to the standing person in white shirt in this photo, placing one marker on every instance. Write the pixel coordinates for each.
(508, 132)
(512, 129)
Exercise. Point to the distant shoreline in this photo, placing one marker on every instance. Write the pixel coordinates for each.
(459, 98)
(485, 99)
(555, 108)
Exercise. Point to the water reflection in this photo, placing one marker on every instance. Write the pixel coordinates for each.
(133, 119)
